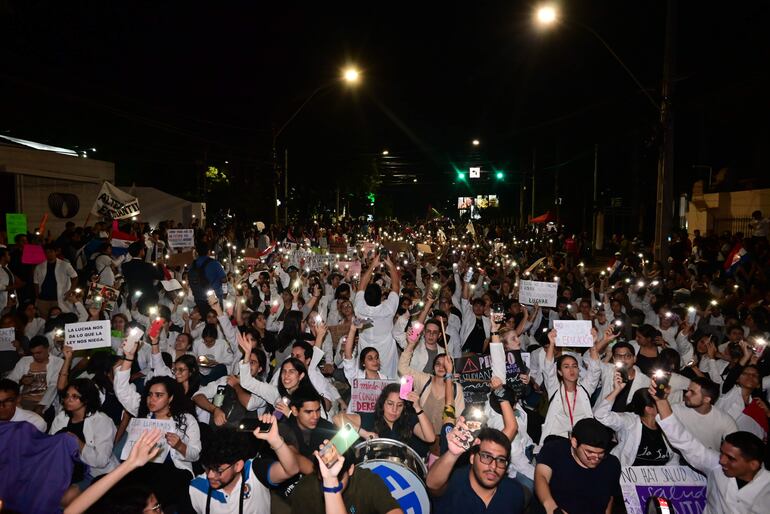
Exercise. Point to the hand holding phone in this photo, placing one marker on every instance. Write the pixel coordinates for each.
(340, 443)
(407, 384)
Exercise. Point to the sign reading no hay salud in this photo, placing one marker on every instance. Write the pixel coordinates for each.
(88, 334)
(113, 203)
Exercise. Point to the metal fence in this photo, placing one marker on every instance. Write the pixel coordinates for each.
(731, 225)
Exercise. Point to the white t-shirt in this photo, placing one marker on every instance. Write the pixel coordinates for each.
(30, 417)
(256, 495)
(710, 428)
(379, 336)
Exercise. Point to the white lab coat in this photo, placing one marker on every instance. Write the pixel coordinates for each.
(64, 273)
(641, 381)
(380, 336)
(722, 493)
(51, 376)
(99, 432)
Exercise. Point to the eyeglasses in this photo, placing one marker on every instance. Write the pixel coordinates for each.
(217, 471)
(487, 458)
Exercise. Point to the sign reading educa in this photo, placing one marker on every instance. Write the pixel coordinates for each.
(113, 203)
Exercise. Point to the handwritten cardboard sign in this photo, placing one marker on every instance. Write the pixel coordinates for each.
(542, 293)
(15, 224)
(7, 336)
(181, 238)
(576, 333)
(475, 371)
(364, 393)
(137, 426)
(681, 486)
(180, 259)
(88, 334)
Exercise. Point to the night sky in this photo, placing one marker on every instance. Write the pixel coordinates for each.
(165, 88)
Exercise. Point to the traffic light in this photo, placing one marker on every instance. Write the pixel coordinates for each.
(499, 175)
(461, 175)
(370, 196)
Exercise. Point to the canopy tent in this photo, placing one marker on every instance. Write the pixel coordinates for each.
(544, 218)
(156, 206)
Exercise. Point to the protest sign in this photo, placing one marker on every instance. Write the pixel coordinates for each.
(364, 393)
(684, 489)
(137, 426)
(350, 268)
(15, 223)
(180, 238)
(180, 259)
(575, 333)
(541, 293)
(102, 294)
(396, 247)
(7, 336)
(475, 371)
(32, 254)
(113, 203)
(88, 334)
(368, 248)
(426, 249)
(338, 248)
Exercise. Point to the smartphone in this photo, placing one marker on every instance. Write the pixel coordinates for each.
(134, 335)
(617, 326)
(691, 315)
(661, 379)
(407, 383)
(465, 438)
(623, 371)
(475, 419)
(251, 424)
(498, 314)
(155, 327)
(219, 397)
(342, 440)
(384, 253)
(468, 275)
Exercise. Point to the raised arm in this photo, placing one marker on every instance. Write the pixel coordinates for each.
(367, 276)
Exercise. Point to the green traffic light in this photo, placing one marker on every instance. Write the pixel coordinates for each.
(500, 175)
(460, 175)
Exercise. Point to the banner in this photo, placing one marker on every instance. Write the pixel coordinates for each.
(113, 203)
(88, 334)
(7, 336)
(137, 426)
(15, 224)
(181, 238)
(541, 293)
(575, 333)
(475, 371)
(364, 393)
(684, 489)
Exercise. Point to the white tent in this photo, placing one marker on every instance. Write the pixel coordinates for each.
(156, 206)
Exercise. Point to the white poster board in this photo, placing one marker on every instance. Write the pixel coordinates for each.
(7, 336)
(681, 486)
(88, 334)
(542, 293)
(576, 333)
(364, 393)
(137, 426)
(181, 238)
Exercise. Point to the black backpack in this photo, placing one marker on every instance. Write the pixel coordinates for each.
(197, 278)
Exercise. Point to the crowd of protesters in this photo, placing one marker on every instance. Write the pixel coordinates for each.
(248, 354)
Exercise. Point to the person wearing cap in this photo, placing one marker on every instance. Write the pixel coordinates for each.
(578, 475)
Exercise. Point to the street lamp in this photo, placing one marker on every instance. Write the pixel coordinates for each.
(350, 76)
(546, 16)
(476, 142)
(385, 152)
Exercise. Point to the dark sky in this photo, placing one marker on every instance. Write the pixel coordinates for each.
(157, 87)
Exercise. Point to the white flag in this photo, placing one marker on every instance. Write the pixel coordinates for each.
(113, 203)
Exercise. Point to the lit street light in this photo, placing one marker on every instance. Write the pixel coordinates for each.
(351, 75)
(546, 15)
(476, 142)
(385, 152)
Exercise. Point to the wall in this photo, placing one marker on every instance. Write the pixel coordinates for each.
(705, 209)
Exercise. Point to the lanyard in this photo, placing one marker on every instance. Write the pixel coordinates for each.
(240, 496)
(571, 408)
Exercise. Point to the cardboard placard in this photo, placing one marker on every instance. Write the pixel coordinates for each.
(681, 486)
(336, 248)
(32, 254)
(137, 426)
(424, 248)
(15, 223)
(364, 393)
(109, 295)
(350, 268)
(475, 371)
(7, 336)
(88, 334)
(575, 333)
(180, 259)
(542, 293)
(396, 247)
(179, 238)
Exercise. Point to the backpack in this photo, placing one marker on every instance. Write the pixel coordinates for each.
(199, 284)
(88, 271)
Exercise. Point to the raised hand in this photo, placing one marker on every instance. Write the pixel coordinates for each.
(145, 448)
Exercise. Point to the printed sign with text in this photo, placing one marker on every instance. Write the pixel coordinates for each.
(88, 334)
(180, 238)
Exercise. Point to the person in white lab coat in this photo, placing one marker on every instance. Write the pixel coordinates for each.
(738, 483)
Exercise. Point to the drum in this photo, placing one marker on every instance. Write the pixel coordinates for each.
(402, 470)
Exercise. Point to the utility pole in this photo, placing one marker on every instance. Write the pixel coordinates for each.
(522, 188)
(286, 187)
(276, 178)
(595, 198)
(665, 185)
(534, 162)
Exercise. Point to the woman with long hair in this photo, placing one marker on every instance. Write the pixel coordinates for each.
(640, 440)
(101, 365)
(291, 331)
(569, 392)
(395, 418)
(163, 398)
(93, 430)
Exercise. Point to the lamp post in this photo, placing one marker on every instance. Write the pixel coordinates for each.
(547, 16)
(350, 76)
